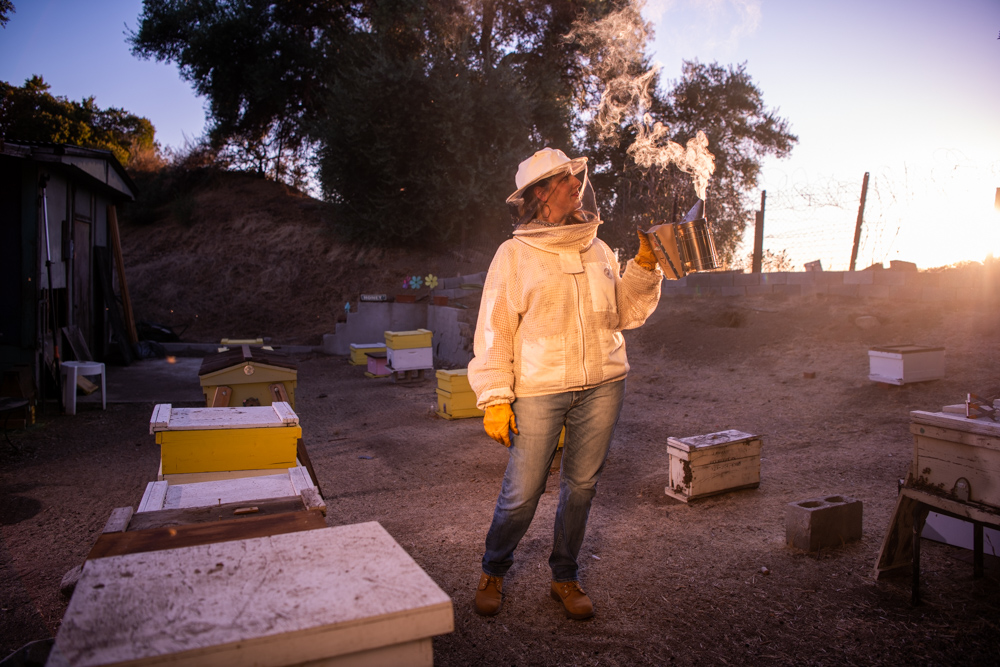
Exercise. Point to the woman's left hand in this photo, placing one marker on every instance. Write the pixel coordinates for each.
(645, 257)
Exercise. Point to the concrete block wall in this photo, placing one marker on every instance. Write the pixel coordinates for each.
(976, 284)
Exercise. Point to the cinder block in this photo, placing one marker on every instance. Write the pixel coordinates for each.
(827, 521)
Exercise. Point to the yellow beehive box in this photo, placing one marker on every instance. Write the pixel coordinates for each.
(246, 376)
(408, 340)
(457, 400)
(196, 440)
(360, 352)
(453, 380)
(457, 405)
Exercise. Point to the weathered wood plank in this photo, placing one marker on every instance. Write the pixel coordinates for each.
(153, 498)
(118, 521)
(191, 515)
(248, 417)
(160, 419)
(303, 457)
(313, 501)
(221, 492)
(158, 539)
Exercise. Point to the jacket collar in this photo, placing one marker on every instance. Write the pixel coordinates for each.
(568, 238)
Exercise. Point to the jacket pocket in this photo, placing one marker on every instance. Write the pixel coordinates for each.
(601, 279)
(543, 363)
(616, 361)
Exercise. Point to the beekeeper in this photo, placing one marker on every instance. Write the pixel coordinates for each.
(549, 353)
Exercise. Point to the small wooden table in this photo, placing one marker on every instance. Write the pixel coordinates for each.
(956, 472)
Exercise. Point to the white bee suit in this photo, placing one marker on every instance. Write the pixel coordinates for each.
(552, 313)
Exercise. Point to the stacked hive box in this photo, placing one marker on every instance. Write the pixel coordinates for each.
(219, 443)
(456, 400)
(409, 351)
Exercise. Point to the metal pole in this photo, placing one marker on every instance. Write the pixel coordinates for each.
(758, 235)
(861, 217)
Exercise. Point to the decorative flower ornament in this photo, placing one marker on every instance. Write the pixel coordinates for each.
(431, 280)
(416, 282)
(406, 282)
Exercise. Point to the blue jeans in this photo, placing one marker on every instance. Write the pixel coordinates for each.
(590, 417)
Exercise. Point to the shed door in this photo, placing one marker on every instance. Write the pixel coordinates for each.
(82, 285)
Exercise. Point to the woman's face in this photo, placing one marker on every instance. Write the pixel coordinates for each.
(564, 196)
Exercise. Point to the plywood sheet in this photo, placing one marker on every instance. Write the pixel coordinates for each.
(284, 599)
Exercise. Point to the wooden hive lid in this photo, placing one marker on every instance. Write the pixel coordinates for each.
(695, 442)
(242, 354)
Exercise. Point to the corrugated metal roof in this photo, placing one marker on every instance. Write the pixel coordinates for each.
(94, 164)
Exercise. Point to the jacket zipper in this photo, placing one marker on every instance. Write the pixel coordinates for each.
(583, 338)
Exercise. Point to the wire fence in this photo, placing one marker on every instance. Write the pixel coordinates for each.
(933, 217)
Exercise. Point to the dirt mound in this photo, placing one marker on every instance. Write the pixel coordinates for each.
(247, 257)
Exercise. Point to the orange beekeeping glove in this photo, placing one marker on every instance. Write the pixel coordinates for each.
(498, 419)
(645, 257)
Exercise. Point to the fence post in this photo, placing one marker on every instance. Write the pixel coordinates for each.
(758, 235)
(861, 217)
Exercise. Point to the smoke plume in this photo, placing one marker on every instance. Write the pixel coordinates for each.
(615, 47)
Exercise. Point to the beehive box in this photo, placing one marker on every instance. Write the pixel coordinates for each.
(250, 374)
(198, 440)
(457, 405)
(706, 465)
(410, 359)
(377, 365)
(900, 364)
(956, 456)
(360, 352)
(454, 380)
(407, 340)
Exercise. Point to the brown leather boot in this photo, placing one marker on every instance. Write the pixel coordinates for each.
(489, 595)
(574, 599)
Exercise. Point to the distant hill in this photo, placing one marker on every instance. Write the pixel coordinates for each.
(233, 255)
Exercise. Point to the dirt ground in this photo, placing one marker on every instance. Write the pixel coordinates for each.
(672, 583)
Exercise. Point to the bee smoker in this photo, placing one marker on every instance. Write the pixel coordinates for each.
(686, 246)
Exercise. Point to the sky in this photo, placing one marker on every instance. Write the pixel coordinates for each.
(906, 90)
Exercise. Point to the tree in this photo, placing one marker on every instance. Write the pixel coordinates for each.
(260, 64)
(32, 113)
(6, 9)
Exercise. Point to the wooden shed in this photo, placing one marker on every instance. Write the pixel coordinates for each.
(60, 260)
(247, 375)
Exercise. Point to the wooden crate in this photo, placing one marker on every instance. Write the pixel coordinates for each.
(360, 352)
(457, 405)
(957, 456)
(900, 364)
(196, 440)
(453, 380)
(706, 465)
(344, 595)
(405, 340)
(250, 374)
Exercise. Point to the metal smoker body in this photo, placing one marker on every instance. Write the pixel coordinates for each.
(684, 247)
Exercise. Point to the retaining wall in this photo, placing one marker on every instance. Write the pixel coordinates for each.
(972, 284)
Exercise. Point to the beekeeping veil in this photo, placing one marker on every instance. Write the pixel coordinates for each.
(544, 169)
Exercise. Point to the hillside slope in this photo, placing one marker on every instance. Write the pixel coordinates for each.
(239, 256)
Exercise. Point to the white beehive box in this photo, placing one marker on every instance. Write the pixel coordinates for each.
(900, 364)
(706, 465)
(412, 359)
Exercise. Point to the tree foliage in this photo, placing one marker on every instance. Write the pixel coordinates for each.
(415, 113)
(31, 113)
